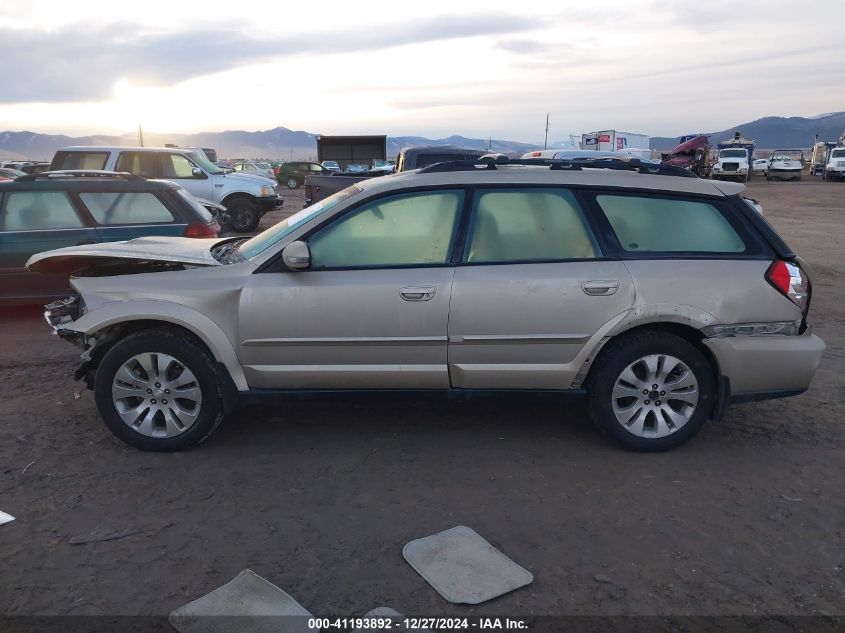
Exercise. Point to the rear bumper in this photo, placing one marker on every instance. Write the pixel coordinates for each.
(760, 367)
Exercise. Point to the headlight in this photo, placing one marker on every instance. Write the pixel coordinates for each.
(268, 190)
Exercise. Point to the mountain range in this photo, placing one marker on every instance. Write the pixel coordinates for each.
(773, 132)
(281, 142)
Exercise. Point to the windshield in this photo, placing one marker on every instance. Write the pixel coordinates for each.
(274, 234)
(732, 153)
(838, 153)
(200, 159)
(785, 154)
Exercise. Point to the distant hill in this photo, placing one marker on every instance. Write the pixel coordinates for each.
(283, 143)
(396, 143)
(279, 142)
(774, 132)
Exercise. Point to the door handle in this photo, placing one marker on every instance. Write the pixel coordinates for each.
(600, 288)
(417, 293)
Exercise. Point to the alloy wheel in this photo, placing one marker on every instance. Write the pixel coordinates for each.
(156, 395)
(655, 396)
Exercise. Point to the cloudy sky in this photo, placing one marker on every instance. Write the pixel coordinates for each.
(433, 68)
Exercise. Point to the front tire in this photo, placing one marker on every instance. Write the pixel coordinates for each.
(292, 183)
(244, 215)
(651, 390)
(158, 390)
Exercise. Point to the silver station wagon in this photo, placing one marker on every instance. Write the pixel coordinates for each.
(602, 279)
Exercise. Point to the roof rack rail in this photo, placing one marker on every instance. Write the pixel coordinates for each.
(79, 173)
(492, 161)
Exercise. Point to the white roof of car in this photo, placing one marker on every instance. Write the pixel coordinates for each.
(121, 148)
(518, 175)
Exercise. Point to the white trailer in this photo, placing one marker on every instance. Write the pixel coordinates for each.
(613, 141)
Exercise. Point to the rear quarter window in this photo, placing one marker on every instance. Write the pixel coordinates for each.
(80, 160)
(126, 208)
(669, 225)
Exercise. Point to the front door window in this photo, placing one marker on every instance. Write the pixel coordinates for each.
(406, 230)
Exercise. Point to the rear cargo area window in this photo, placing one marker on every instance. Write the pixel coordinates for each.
(126, 208)
(646, 224)
(80, 160)
(517, 225)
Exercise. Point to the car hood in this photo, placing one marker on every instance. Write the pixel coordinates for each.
(150, 250)
(248, 178)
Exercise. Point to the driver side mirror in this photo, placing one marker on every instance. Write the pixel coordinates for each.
(296, 255)
(196, 172)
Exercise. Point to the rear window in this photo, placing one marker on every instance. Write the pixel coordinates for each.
(646, 224)
(80, 160)
(126, 208)
(196, 205)
(424, 160)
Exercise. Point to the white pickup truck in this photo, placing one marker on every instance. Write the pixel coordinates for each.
(245, 196)
(835, 167)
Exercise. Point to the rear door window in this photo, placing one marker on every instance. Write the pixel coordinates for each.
(126, 208)
(529, 224)
(38, 211)
(666, 225)
(144, 164)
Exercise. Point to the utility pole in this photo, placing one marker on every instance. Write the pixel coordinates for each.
(546, 142)
(140, 136)
(490, 144)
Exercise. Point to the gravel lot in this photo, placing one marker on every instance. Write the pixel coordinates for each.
(320, 496)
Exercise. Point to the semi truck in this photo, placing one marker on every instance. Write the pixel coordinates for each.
(819, 156)
(835, 167)
(613, 141)
(734, 160)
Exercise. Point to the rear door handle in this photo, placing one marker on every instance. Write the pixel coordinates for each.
(417, 293)
(600, 288)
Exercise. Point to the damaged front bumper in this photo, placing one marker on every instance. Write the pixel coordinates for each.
(60, 313)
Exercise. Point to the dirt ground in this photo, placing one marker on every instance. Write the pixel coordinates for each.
(319, 497)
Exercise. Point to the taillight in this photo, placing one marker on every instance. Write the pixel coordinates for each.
(791, 282)
(201, 229)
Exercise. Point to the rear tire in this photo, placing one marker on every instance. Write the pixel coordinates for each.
(158, 391)
(244, 215)
(292, 183)
(669, 414)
